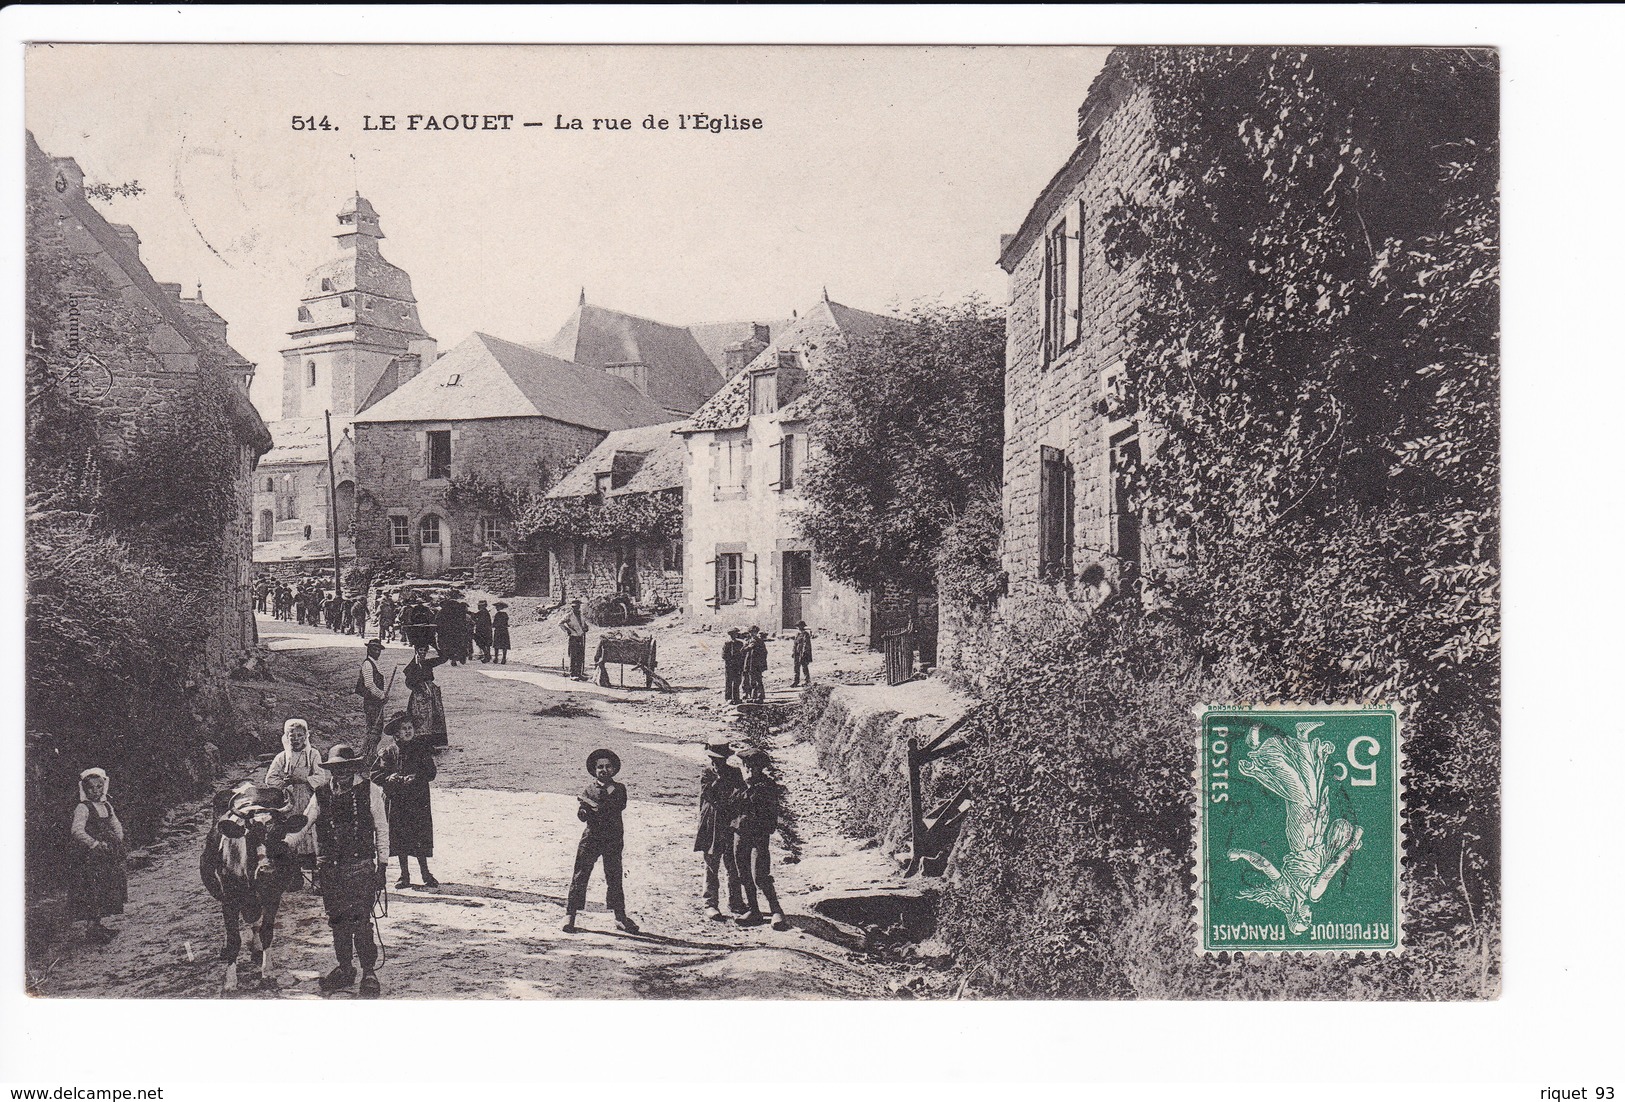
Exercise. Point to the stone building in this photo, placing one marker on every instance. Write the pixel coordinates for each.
(1070, 528)
(355, 338)
(747, 448)
(630, 467)
(162, 350)
(489, 411)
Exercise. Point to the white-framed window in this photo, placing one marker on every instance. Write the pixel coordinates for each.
(490, 530)
(730, 577)
(429, 531)
(400, 531)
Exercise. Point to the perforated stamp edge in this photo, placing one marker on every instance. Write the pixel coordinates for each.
(1198, 873)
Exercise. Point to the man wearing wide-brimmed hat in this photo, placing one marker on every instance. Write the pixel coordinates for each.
(601, 804)
(575, 626)
(352, 838)
(720, 788)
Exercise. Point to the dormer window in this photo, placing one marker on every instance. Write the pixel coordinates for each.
(327, 284)
(790, 359)
(454, 378)
(764, 392)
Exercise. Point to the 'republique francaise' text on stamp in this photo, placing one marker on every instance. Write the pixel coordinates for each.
(1299, 845)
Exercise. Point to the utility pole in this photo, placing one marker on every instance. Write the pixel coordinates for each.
(333, 504)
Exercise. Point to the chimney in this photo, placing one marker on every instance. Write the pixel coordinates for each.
(132, 239)
(736, 357)
(173, 290)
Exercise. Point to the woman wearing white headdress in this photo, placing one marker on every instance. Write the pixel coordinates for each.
(298, 771)
(98, 887)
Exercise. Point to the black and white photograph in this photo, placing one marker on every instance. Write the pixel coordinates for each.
(762, 522)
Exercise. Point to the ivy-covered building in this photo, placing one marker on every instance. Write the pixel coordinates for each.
(620, 507)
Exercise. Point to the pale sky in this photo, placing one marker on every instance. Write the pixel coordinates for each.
(885, 173)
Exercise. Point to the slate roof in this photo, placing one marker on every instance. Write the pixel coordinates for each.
(681, 373)
(715, 337)
(498, 378)
(809, 334)
(245, 418)
(664, 455)
(304, 440)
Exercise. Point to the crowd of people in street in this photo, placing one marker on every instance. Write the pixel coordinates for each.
(340, 818)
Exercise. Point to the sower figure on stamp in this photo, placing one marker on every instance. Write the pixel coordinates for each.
(1317, 847)
(720, 789)
(600, 807)
(352, 836)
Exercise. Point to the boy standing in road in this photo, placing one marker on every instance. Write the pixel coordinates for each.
(720, 789)
(801, 654)
(601, 804)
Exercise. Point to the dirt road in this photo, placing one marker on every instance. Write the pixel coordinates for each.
(505, 834)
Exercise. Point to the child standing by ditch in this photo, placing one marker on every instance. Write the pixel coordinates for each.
(756, 818)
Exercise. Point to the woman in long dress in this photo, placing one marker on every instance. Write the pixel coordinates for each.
(424, 706)
(98, 887)
(404, 769)
(298, 771)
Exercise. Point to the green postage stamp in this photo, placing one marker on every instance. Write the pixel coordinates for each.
(1298, 843)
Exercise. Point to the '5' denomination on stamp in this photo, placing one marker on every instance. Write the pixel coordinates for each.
(1298, 832)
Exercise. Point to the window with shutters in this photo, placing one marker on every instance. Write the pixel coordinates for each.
(1079, 268)
(1055, 299)
(730, 577)
(1125, 523)
(440, 454)
(787, 463)
(1055, 515)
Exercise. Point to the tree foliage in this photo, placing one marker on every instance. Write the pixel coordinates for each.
(908, 421)
(620, 518)
(1314, 363)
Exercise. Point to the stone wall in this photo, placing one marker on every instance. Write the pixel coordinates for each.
(656, 585)
(1065, 404)
(391, 461)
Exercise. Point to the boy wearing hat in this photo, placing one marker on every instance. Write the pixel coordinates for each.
(601, 804)
(733, 665)
(720, 788)
(352, 838)
(369, 686)
(756, 818)
(801, 654)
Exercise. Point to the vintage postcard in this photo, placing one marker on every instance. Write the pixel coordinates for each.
(788, 522)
